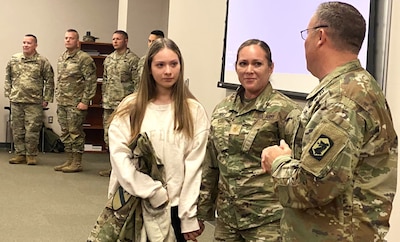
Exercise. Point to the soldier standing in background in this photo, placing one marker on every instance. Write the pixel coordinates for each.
(75, 88)
(30, 87)
(155, 34)
(120, 79)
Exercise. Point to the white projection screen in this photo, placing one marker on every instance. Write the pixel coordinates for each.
(279, 23)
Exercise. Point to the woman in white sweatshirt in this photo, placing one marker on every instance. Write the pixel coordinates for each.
(177, 126)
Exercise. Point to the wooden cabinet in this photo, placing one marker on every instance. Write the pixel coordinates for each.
(93, 126)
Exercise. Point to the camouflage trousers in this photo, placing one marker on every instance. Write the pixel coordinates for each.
(106, 122)
(266, 232)
(71, 122)
(26, 122)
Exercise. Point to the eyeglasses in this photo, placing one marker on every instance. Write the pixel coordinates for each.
(304, 33)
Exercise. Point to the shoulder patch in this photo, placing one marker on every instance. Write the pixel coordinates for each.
(326, 143)
(320, 147)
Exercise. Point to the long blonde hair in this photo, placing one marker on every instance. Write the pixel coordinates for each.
(183, 121)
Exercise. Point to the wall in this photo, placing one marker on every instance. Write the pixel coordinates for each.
(198, 29)
(198, 26)
(143, 17)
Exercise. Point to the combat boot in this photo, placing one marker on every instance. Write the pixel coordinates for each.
(65, 164)
(31, 160)
(18, 159)
(76, 165)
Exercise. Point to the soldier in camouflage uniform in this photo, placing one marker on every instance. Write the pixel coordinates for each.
(339, 181)
(30, 87)
(120, 79)
(241, 124)
(155, 34)
(75, 88)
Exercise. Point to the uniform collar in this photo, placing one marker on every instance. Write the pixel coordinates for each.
(33, 57)
(259, 103)
(331, 77)
(72, 54)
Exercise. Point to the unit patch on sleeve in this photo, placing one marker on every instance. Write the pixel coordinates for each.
(320, 147)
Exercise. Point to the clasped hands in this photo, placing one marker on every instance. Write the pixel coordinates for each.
(270, 153)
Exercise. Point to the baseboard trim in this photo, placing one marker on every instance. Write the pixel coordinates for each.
(5, 145)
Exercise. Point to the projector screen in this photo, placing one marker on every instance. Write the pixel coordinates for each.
(278, 23)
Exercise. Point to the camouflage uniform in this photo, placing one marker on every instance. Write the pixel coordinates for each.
(29, 82)
(120, 79)
(76, 83)
(245, 199)
(141, 65)
(342, 180)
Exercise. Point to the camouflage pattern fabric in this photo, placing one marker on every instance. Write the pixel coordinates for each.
(265, 232)
(122, 219)
(122, 223)
(341, 183)
(232, 177)
(141, 64)
(77, 78)
(29, 80)
(71, 122)
(26, 123)
(120, 78)
(106, 123)
(77, 82)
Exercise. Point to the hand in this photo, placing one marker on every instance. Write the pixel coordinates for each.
(194, 234)
(270, 153)
(82, 106)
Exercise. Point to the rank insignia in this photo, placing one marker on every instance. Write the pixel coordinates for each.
(321, 146)
(235, 129)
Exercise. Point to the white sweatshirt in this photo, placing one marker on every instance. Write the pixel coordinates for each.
(182, 159)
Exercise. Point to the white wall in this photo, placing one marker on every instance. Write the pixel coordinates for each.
(198, 27)
(143, 17)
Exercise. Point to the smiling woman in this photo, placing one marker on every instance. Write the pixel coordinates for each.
(242, 124)
(245, 20)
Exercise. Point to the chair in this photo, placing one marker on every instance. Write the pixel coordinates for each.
(9, 137)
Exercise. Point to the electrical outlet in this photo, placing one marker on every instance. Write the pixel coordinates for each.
(50, 119)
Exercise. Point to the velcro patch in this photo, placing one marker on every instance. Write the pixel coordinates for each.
(327, 143)
(320, 147)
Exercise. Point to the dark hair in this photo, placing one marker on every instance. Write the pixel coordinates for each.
(33, 36)
(73, 30)
(123, 33)
(346, 25)
(158, 33)
(262, 44)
